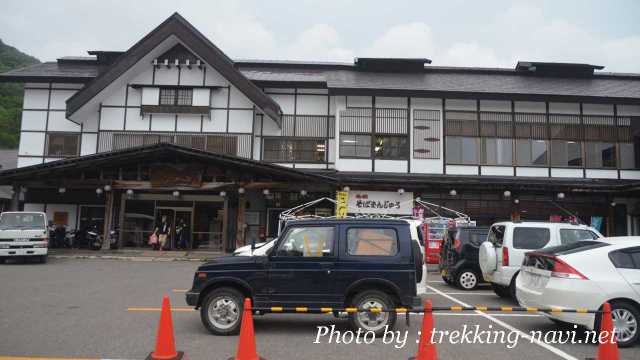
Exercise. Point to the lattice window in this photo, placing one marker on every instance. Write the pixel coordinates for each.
(462, 123)
(63, 144)
(426, 134)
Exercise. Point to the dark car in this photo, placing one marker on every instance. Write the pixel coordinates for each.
(459, 263)
(364, 263)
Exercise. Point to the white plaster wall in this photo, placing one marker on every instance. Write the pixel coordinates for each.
(189, 123)
(391, 166)
(115, 97)
(391, 102)
(31, 144)
(602, 174)
(566, 173)
(163, 122)
(310, 166)
(530, 106)
(135, 97)
(332, 150)
(219, 97)
(312, 105)
(88, 145)
(239, 100)
(240, 121)
(461, 104)
(150, 96)
(286, 102)
(90, 123)
(201, 97)
(59, 98)
(426, 166)
(59, 122)
(216, 123)
(34, 120)
(144, 76)
(191, 76)
(112, 119)
(135, 121)
(28, 161)
(628, 110)
(35, 99)
(359, 101)
(353, 165)
(532, 171)
(496, 170)
(166, 76)
(564, 108)
(462, 170)
(495, 105)
(597, 109)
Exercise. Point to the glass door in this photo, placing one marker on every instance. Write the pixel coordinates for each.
(179, 220)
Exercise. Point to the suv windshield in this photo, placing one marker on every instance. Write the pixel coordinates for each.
(9, 221)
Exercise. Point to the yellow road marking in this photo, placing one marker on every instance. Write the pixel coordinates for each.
(276, 309)
(532, 309)
(582, 311)
(302, 309)
(401, 310)
(151, 309)
(456, 308)
(179, 290)
(351, 310)
(556, 310)
(481, 308)
(507, 309)
(326, 310)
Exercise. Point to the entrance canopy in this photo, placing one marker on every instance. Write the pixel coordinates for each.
(160, 166)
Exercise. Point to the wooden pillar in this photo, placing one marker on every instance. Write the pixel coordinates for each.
(240, 230)
(108, 215)
(15, 199)
(123, 208)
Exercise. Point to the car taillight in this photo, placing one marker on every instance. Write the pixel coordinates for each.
(565, 271)
(505, 256)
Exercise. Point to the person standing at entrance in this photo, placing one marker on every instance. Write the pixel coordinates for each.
(181, 234)
(163, 232)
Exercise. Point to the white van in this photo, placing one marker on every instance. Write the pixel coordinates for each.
(502, 254)
(23, 234)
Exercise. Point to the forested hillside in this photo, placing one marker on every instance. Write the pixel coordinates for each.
(11, 95)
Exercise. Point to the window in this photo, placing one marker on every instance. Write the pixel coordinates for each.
(391, 147)
(621, 259)
(372, 242)
(176, 97)
(313, 241)
(227, 145)
(496, 235)
(566, 153)
(298, 150)
(530, 238)
(358, 146)
(531, 152)
(62, 145)
(497, 151)
(476, 238)
(426, 134)
(568, 236)
(462, 150)
(601, 155)
(627, 156)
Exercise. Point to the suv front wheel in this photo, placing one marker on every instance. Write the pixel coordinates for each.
(370, 321)
(221, 311)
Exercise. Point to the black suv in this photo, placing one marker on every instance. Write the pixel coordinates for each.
(459, 263)
(316, 263)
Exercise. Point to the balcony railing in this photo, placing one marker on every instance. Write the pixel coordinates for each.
(222, 143)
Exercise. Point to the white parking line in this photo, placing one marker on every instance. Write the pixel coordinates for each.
(475, 314)
(462, 293)
(492, 318)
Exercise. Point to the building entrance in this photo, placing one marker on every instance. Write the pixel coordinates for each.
(180, 221)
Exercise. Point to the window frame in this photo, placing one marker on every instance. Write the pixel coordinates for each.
(295, 150)
(370, 227)
(340, 145)
(477, 141)
(406, 153)
(281, 241)
(176, 96)
(48, 153)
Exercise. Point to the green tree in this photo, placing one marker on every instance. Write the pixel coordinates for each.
(11, 95)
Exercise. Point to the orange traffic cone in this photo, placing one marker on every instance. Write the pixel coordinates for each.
(247, 343)
(426, 349)
(608, 349)
(165, 343)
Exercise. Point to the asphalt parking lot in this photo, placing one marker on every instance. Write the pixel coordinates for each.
(110, 308)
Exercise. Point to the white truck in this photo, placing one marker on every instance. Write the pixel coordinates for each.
(24, 234)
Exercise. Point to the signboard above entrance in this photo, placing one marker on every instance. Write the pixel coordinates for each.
(169, 175)
(380, 202)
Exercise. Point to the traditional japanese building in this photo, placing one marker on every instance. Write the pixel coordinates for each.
(174, 127)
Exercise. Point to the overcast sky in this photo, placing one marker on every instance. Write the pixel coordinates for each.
(452, 32)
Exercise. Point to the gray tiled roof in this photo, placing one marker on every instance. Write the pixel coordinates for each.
(434, 78)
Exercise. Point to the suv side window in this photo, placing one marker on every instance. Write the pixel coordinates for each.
(568, 236)
(530, 238)
(312, 241)
(496, 234)
(372, 242)
(622, 259)
(477, 238)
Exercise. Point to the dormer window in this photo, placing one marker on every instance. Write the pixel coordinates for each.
(176, 96)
